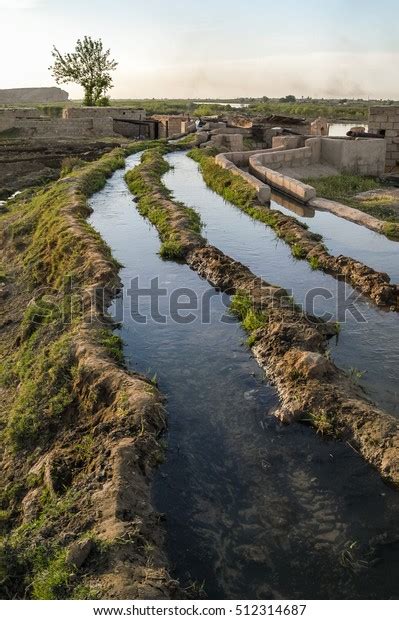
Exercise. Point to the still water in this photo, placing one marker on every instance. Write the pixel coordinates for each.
(253, 509)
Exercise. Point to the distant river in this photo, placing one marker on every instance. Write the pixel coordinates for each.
(233, 105)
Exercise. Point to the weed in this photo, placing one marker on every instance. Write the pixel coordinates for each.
(84, 592)
(172, 250)
(322, 421)
(145, 182)
(69, 164)
(231, 187)
(111, 343)
(298, 251)
(314, 262)
(51, 580)
(344, 188)
(242, 307)
(154, 380)
(391, 230)
(45, 390)
(355, 375)
(84, 449)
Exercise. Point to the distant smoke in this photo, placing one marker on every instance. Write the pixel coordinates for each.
(318, 75)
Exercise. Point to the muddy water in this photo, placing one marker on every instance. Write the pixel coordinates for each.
(344, 237)
(253, 509)
(369, 338)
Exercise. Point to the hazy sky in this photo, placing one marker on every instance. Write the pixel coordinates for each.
(212, 48)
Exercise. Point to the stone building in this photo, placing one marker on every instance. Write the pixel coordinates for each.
(127, 122)
(173, 124)
(78, 123)
(384, 120)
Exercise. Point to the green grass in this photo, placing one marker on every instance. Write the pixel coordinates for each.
(322, 421)
(298, 251)
(355, 111)
(51, 582)
(111, 343)
(241, 306)
(43, 373)
(343, 188)
(231, 187)
(42, 368)
(43, 381)
(314, 262)
(391, 230)
(145, 182)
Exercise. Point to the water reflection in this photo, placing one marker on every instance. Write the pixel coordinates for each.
(253, 509)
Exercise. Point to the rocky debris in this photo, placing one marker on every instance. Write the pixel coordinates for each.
(309, 364)
(79, 551)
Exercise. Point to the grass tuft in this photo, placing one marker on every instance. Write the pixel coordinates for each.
(242, 307)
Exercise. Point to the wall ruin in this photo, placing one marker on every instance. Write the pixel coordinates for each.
(385, 120)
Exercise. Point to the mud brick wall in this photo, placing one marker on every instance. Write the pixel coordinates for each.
(171, 124)
(386, 119)
(105, 112)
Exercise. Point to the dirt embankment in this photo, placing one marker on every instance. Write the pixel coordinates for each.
(24, 163)
(289, 345)
(80, 433)
(304, 244)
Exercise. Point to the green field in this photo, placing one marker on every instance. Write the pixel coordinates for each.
(333, 110)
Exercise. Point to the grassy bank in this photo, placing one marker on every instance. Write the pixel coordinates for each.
(344, 188)
(237, 191)
(304, 244)
(154, 203)
(70, 412)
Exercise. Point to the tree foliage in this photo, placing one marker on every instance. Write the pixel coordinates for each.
(88, 65)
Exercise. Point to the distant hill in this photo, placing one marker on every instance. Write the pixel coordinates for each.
(32, 95)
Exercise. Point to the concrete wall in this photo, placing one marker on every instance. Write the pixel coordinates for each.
(171, 125)
(277, 159)
(360, 156)
(264, 132)
(263, 191)
(229, 141)
(104, 112)
(288, 142)
(233, 130)
(386, 118)
(131, 130)
(263, 166)
(50, 128)
(9, 116)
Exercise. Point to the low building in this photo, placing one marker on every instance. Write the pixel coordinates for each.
(173, 125)
(90, 122)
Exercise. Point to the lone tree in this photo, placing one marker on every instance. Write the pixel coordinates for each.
(89, 65)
